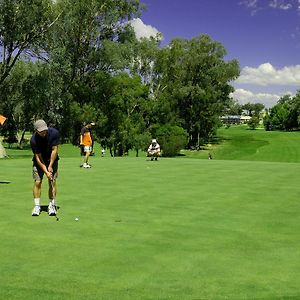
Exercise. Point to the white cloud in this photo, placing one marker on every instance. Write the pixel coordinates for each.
(256, 5)
(266, 74)
(279, 4)
(244, 96)
(249, 3)
(142, 30)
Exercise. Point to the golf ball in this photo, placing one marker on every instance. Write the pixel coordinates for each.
(76, 219)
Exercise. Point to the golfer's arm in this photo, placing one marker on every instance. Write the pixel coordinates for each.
(40, 162)
(53, 155)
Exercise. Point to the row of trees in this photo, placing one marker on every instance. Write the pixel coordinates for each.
(285, 115)
(71, 61)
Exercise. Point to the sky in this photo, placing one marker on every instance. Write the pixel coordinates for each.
(263, 35)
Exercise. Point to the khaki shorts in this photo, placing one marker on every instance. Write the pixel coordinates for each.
(38, 173)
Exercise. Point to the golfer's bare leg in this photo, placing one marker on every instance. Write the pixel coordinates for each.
(52, 189)
(37, 189)
(86, 158)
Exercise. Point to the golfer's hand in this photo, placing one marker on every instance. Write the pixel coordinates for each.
(49, 175)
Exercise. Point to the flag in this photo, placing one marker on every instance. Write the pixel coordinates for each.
(2, 119)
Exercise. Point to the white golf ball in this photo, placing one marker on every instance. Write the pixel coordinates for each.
(76, 219)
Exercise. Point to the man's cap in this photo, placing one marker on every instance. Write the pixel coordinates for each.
(92, 123)
(154, 141)
(40, 125)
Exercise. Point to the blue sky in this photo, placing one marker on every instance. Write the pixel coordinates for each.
(263, 35)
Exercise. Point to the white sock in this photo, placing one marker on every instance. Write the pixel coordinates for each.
(37, 201)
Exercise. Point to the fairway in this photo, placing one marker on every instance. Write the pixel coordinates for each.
(172, 229)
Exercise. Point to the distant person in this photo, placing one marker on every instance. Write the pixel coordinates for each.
(209, 156)
(44, 144)
(103, 152)
(86, 142)
(154, 150)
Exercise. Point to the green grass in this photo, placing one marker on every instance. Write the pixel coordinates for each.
(172, 229)
(240, 143)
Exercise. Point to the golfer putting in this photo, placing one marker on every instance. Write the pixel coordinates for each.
(44, 144)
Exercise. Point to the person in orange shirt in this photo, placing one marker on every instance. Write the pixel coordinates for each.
(86, 141)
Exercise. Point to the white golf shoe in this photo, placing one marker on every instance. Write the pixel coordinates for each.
(36, 211)
(51, 209)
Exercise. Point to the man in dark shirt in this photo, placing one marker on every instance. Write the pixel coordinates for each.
(44, 144)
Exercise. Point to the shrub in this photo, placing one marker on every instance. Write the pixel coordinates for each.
(171, 139)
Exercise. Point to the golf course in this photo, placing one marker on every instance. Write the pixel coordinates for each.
(181, 228)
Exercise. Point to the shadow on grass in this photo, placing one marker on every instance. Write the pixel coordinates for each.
(44, 208)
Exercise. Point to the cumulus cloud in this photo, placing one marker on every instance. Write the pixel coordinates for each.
(244, 96)
(249, 3)
(255, 5)
(142, 30)
(280, 4)
(266, 74)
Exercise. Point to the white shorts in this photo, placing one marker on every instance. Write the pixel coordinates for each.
(87, 148)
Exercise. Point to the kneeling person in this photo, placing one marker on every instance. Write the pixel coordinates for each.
(154, 150)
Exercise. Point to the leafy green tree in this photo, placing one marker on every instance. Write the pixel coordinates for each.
(12, 104)
(233, 108)
(171, 138)
(88, 39)
(195, 80)
(253, 122)
(42, 98)
(23, 27)
(253, 109)
(285, 114)
(279, 114)
(123, 109)
(258, 108)
(267, 122)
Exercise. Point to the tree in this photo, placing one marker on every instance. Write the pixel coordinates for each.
(83, 42)
(12, 102)
(23, 27)
(171, 138)
(123, 109)
(195, 80)
(285, 114)
(233, 108)
(253, 122)
(253, 109)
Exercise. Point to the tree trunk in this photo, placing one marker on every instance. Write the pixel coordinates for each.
(2, 151)
(22, 139)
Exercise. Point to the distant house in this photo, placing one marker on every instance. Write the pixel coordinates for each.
(235, 119)
(245, 119)
(231, 120)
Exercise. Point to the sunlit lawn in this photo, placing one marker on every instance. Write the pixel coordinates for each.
(173, 229)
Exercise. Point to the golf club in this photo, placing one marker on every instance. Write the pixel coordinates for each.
(52, 186)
